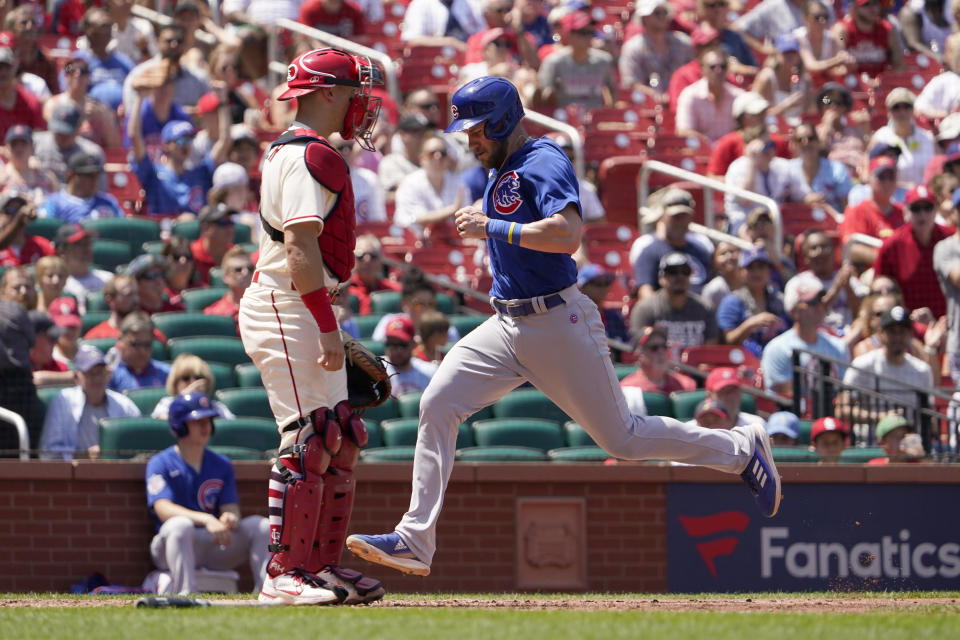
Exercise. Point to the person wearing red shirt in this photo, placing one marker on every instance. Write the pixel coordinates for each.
(877, 216)
(340, 17)
(216, 236)
(23, 24)
(749, 110)
(907, 255)
(237, 273)
(150, 272)
(16, 246)
(122, 297)
(367, 275)
(46, 370)
(17, 104)
(653, 372)
(869, 38)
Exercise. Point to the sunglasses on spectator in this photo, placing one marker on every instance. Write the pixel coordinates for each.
(718, 66)
(921, 207)
(428, 105)
(368, 255)
(714, 5)
(803, 139)
(677, 271)
(397, 345)
(820, 17)
(77, 70)
(877, 314)
(886, 176)
(901, 105)
(584, 32)
(224, 222)
(244, 269)
(886, 291)
(183, 257)
(151, 275)
(227, 67)
(501, 44)
(146, 344)
(442, 153)
(190, 377)
(502, 10)
(654, 348)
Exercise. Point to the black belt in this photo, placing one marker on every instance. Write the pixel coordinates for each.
(516, 309)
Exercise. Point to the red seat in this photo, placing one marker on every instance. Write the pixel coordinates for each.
(711, 356)
(617, 188)
(124, 185)
(797, 217)
(622, 119)
(609, 233)
(601, 145)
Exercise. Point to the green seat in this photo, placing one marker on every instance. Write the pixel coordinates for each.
(222, 375)
(861, 455)
(110, 254)
(353, 302)
(190, 229)
(126, 437)
(623, 370)
(528, 403)
(387, 454)
(377, 347)
(180, 324)
(399, 432)
(216, 277)
(247, 375)
(46, 227)
(578, 454)
(382, 302)
(804, 427)
(212, 349)
(159, 351)
(154, 248)
(794, 454)
(518, 432)
(200, 298)
(91, 319)
(374, 437)
(445, 304)
(684, 403)
(576, 436)
(366, 324)
(238, 453)
(248, 402)
(96, 302)
(146, 399)
(133, 231)
(500, 454)
(257, 434)
(465, 324)
(389, 409)
(658, 404)
(409, 404)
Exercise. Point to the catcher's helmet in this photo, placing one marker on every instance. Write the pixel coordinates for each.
(488, 99)
(189, 406)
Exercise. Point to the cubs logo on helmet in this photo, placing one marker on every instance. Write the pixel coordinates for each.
(506, 195)
(454, 111)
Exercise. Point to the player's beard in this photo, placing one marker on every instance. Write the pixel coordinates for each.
(495, 156)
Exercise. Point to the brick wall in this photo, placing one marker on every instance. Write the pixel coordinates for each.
(60, 521)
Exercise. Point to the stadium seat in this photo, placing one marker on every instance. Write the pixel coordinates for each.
(222, 375)
(105, 344)
(190, 229)
(238, 453)
(366, 324)
(46, 395)
(576, 436)
(500, 454)
(389, 302)
(387, 454)
(46, 227)
(685, 403)
(95, 302)
(110, 254)
(247, 375)
(658, 404)
(91, 319)
(797, 217)
(804, 427)
(179, 324)
(154, 248)
(146, 399)
(386, 411)
(199, 298)
(467, 323)
(623, 370)
(378, 348)
(399, 432)
(794, 454)
(617, 187)
(374, 436)
(518, 432)
(246, 402)
(252, 433)
(861, 455)
(578, 454)
(133, 231)
(212, 349)
(216, 277)
(409, 404)
(528, 403)
(127, 437)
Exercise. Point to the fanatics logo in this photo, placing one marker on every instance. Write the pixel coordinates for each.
(729, 522)
(506, 195)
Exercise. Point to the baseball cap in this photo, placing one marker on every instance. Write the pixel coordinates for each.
(786, 42)
(756, 214)
(401, 328)
(900, 95)
(64, 312)
(828, 423)
(176, 129)
(230, 174)
(953, 152)
(84, 163)
(884, 148)
(677, 201)
(896, 316)
(215, 212)
(241, 132)
(7, 56)
(207, 103)
(7, 200)
(890, 422)
(703, 36)
(186, 5)
(575, 20)
(492, 35)
(674, 259)
(7, 39)
(647, 7)
(721, 378)
(651, 331)
(43, 323)
(882, 163)
(88, 357)
(783, 422)
(827, 95)
(710, 405)
(68, 234)
(753, 254)
(65, 118)
(18, 132)
(919, 194)
(143, 263)
(749, 102)
(591, 272)
(413, 122)
(949, 128)
(803, 287)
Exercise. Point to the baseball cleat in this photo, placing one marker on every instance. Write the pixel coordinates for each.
(360, 589)
(761, 474)
(300, 587)
(389, 550)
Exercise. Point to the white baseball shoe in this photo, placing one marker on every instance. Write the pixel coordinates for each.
(299, 587)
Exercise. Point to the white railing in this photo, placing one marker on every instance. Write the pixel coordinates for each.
(709, 186)
(21, 426)
(862, 238)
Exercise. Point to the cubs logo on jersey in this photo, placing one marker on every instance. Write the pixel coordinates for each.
(506, 195)
(208, 495)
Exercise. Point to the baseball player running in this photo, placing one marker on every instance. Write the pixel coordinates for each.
(289, 330)
(544, 331)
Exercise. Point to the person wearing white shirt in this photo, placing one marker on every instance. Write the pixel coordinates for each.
(130, 35)
(916, 145)
(430, 195)
(428, 22)
(940, 96)
(368, 195)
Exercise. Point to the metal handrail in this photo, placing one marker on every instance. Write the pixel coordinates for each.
(863, 238)
(709, 185)
(21, 426)
(576, 140)
(280, 68)
(163, 20)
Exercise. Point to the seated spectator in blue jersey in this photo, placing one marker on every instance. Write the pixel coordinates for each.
(783, 428)
(803, 300)
(829, 178)
(754, 314)
(71, 427)
(171, 186)
(189, 374)
(156, 110)
(407, 374)
(595, 281)
(136, 368)
(106, 66)
(80, 199)
(672, 212)
(192, 494)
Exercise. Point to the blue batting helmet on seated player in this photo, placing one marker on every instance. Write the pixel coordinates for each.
(189, 406)
(488, 99)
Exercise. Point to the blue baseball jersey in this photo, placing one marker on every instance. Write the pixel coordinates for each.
(169, 476)
(69, 208)
(534, 183)
(168, 193)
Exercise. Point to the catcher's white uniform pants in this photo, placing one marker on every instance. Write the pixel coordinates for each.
(283, 340)
(564, 353)
(180, 547)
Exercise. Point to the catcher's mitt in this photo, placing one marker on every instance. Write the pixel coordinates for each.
(368, 384)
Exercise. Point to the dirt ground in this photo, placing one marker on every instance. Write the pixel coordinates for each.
(838, 604)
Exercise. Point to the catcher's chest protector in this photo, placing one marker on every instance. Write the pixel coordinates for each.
(328, 167)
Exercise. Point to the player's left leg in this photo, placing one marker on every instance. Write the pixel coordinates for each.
(173, 549)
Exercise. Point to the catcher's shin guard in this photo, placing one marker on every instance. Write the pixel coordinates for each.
(338, 491)
(310, 448)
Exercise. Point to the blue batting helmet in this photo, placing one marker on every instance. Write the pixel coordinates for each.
(189, 406)
(488, 99)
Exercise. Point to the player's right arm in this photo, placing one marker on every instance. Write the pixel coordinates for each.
(559, 233)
